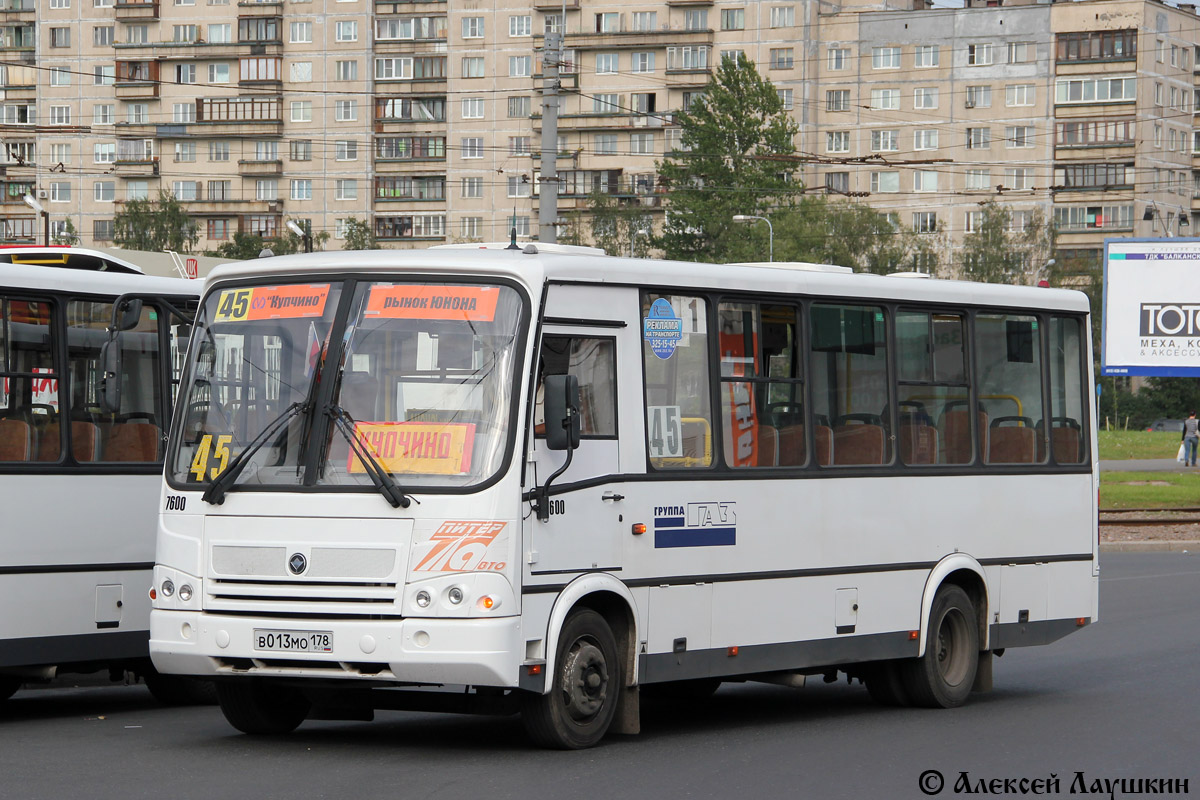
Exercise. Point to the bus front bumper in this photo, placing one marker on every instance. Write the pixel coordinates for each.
(474, 652)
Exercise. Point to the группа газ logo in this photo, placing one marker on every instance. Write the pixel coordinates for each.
(707, 524)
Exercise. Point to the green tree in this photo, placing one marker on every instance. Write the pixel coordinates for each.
(359, 235)
(243, 247)
(68, 235)
(849, 234)
(161, 224)
(995, 253)
(736, 156)
(619, 226)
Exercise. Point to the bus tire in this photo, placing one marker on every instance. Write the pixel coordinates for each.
(261, 708)
(586, 687)
(943, 676)
(8, 687)
(180, 690)
(886, 684)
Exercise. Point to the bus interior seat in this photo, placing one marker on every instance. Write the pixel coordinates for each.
(85, 442)
(955, 432)
(1012, 440)
(918, 442)
(16, 440)
(791, 446)
(768, 446)
(132, 442)
(1067, 437)
(858, 439)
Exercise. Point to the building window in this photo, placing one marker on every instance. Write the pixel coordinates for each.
(472, 147)
(104, 191)
(783, 16)
(137, 190)
(102, 35)
(345, 150)
(925, 222)
(60, 76)
(519, 145)
(137, 113)
(885, 182)
(60, 37)
(885, 141)
(218, 229)
(643, 62)
(1021, 94)
(785, 97)
(885, 99)
(839, 58)
(925, 180)
(837, 141)
(979, 138)
(782, 58)
(645, 21)
(345, 70)
(220, 190)
(978, 179)
(518, 186)
(218, 73)
(606, 103)
(184, 34)
(972, 220)
(301, 189)
(472, 28)
(472, 67)
(687, 58)
(885, 58)
(346, 31)
(1021, 52)
(925, 139)
(471, 227)
(695, 19)
(837, 182)
(1018, 178)
(472, 187)
(345, 110)
(104, 152)
(185, 152)
(220, 34)
(60, 115)
(1098, 45)
(103, 114)
(520, 66)
(605, 144)
(837, 100)
(519, 107)
(185, 73)
(606, 63)
(301, 32)
(104, 75)
(979, 97)
(641, 143)
(733, 19)
(979, 55)
(520, 25)
(927, 55)
(183, 112)
(1018, 136)
(1095, 90)
(102, 230)
(301, 150)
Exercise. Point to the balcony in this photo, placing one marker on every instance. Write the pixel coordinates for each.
(404, 6)
(269, 6)
(251, 168)
(18, 10)
(241, 116)
(12, 193)
(624, 39)
(136, 12)
(601, 122)
(136, 90)
(131, 169)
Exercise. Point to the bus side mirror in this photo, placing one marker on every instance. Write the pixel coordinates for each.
(127, 315)
(109, 384)
(562, 412)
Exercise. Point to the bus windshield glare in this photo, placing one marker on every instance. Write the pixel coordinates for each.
(422, 373)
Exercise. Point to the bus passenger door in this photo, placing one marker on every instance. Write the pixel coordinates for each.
(582, 532)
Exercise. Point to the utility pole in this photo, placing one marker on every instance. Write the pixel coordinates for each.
(552, 54)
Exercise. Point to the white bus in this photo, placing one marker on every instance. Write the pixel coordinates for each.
(540, 479)
(79, 480)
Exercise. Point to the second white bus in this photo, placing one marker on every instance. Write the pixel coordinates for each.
(553, 478)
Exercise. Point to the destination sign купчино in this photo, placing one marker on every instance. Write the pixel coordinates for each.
(271, 302)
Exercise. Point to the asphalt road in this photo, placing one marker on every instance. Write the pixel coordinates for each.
(1116, 700)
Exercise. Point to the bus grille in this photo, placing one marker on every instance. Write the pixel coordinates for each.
(302, 598)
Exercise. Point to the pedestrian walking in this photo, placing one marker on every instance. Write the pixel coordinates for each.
(1191, 438)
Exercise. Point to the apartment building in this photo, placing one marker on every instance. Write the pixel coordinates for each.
(423, 118)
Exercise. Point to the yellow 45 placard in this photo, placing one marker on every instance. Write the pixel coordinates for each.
(200, 470)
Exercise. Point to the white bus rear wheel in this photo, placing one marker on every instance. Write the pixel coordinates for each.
(943, 676)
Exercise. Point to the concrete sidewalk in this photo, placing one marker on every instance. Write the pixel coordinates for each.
(1146, 465)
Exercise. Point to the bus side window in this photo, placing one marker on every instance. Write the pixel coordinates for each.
(675, 354)
(933, 419)
(761, 393)
(1068, 389)
(29, 397)
(593, 362)
(850, 385)
(1009, 353)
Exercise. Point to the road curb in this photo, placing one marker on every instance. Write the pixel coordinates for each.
(1150, 547)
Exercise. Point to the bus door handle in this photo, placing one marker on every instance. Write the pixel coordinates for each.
(612, 496)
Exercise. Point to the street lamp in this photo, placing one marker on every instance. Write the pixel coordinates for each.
(39, 208)
(304, 235)
(633, 238)
(770, 231)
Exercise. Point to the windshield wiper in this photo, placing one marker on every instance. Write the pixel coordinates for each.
(215, 493)
(375, 471)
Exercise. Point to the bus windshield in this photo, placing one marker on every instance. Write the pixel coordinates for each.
(426, 377)
(421, 374)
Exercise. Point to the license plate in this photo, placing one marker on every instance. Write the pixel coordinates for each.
(293, 641)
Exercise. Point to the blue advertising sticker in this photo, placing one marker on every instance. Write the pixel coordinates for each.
(661, 329)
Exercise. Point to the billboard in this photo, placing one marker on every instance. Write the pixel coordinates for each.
(1151, 307)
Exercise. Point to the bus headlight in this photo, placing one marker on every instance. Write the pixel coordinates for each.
(168, 588)
(185, 592)
(455, 595)
(423, 599)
